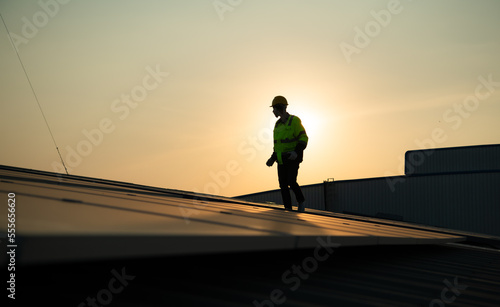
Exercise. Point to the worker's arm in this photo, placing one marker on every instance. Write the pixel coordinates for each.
(300, 134)
(272, 159)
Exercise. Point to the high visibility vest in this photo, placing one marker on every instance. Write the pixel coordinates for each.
(287, 136)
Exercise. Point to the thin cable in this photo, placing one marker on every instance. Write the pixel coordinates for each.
(34, 93)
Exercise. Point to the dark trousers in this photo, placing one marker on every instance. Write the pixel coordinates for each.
(287, 177)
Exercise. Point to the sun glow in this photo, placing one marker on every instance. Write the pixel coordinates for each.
(311, 121)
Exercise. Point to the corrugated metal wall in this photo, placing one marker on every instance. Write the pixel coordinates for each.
(468, 202)
(453, 159)
(434, 194)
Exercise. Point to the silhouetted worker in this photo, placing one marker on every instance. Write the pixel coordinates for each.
(290, 140)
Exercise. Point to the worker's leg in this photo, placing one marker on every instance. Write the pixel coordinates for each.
(293, 171)
(283, 181)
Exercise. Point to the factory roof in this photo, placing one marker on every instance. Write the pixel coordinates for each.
(188, 248)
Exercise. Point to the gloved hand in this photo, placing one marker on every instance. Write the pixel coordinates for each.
(270, 162)
(293, 155)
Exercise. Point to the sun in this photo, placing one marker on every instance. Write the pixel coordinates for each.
(311, 120)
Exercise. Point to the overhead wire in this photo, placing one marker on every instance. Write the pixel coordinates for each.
(34, 93)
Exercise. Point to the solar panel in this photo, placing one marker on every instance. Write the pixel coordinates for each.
(68, 218)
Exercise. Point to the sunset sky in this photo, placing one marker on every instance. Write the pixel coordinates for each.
(176, 94)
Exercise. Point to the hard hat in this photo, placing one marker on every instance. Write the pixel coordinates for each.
(279, 100)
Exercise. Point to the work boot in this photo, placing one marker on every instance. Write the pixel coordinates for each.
(301, 207)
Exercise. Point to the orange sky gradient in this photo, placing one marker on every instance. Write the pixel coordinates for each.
(176, 94)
